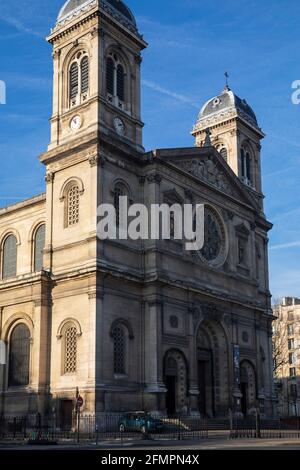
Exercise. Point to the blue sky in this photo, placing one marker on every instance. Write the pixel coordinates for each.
(191, 44)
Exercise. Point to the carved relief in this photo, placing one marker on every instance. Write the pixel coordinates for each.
(208, 171)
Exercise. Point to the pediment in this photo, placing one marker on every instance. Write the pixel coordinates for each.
(209, 167)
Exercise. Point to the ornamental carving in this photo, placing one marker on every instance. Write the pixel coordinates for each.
(215, 249)
(207, 170)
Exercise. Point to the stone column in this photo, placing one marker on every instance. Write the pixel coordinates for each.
(193, 372)
(155, 388)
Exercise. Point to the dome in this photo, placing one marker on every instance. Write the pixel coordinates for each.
(117, 5)
(225, 101)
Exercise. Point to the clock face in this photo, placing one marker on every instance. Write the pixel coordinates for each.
(119, 126)
(75, 123)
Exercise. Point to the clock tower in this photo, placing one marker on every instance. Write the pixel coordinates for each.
(97, 57)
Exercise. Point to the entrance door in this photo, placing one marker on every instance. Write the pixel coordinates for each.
(202, 387)
(244, 392)
(66, 415)
(171, 395)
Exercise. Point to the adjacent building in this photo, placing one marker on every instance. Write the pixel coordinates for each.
(286, 347)
(134, 324)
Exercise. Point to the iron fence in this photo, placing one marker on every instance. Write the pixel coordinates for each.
(99, 428)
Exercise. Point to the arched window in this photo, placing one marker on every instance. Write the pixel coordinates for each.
(84, 74)
(224, 153)
(39, 245)
(246, 165)
(74, 80)
(19, 356)
(115, 81)
(119, 338)
(70, 349)
(120, 190)
(72, 209)
(79, 78)
(9, 263)
(110, 70)
(120, 83)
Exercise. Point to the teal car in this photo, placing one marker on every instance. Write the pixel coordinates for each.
(140, 422)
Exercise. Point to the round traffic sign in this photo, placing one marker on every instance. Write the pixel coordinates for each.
(80, 402)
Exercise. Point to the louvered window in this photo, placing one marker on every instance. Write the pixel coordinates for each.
(74, 81)
(39, 245)
(110, 71)
(248, 166)
(120, 191)
(19, 355)
(243, 162)
(120, 83)
(9, 266)
(84, 74)
(73, 206)
(224, 154)
(119, 350)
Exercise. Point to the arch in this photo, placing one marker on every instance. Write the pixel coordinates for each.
(76, 66)
(34, 228)
(62, 326)
(212, 342)
(68, 183)
(247, 159)
(9, 258)
(18, 317)
(125, 323)
(116, 77)
(176, 381)
(38, 247)
(248, 379)
(19, 356)
(7, 232)
(69, 332)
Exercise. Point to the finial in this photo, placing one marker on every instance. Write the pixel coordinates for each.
(226, 88)
(207, 142)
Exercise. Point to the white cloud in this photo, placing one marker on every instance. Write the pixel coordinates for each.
(164, 91)
(285, 246)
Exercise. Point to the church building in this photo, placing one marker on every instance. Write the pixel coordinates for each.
(134, 325)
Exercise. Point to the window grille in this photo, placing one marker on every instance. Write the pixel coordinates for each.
(119, 350)
(73, 206)
(71, 350)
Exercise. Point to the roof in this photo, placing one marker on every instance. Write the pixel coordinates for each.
(227, 100)
(72, 5)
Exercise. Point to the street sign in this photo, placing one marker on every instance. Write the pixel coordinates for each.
(79, 402)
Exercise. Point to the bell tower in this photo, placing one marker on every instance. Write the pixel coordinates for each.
(97, 57)
(235, 133)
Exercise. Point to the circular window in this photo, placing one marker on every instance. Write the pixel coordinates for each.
(215, 249)
(216, 102)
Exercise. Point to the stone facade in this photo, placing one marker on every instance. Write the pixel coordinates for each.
(286, 356)
(132, 324)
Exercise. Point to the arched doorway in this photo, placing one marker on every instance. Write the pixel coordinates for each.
(213, 369)
(248, 388)
(175, 373)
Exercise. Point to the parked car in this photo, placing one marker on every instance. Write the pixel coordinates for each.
(140, 422)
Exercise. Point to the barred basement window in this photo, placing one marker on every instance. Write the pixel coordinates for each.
(70, 350)
(119, 339)
(73, 206)
(84, 74)
(9, 263)
(74, 82)
(39, 245)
